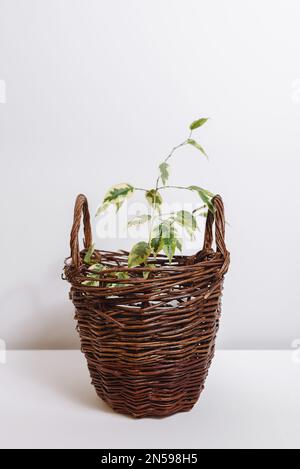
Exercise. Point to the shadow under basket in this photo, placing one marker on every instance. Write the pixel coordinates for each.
(148, 339)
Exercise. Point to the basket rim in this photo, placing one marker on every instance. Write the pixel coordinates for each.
(216, 257)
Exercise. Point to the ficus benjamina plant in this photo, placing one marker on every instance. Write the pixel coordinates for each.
(163, 228)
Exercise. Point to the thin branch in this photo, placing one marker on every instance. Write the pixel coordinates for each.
(172, 187)
(171, 153)
(178, 146)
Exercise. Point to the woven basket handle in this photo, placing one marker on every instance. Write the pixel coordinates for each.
(81, 207)
(219, 220)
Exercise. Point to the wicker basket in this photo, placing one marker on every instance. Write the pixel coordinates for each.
(149, 341)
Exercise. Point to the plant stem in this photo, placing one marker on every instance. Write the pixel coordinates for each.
(178, 146)
(172, 187)
(171, 154)
(157, 188)
(151, 225)
(164, 187)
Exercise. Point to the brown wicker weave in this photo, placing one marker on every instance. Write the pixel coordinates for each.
(149, 342)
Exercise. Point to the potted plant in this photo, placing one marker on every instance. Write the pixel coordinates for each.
(148, 318)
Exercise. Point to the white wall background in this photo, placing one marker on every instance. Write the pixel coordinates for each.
(97, 92)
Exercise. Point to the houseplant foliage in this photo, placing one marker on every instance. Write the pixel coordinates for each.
(163, 227)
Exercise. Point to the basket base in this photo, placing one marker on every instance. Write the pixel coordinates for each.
(154, 403)
(149, 412)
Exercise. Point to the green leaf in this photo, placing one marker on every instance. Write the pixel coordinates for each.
(102, 208)
(164, 230)
(169, 238)
(197, 123)
(91, 283)
(186, 219)
(89, 253)
(205, 195)
(154, 198)
(164, 172)
(156, 242)
(139, 220)
(208, 193)
(197, 145)
(97, 267)
(94, 269)
(139, 254)
(168, 228)
(165, 238)
(148, 272)
(116, 195)
(205, 192)
(156, 245)
(179, 244)
(120, 276)
(169, 247)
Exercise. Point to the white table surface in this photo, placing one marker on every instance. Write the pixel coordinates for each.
(251, 400)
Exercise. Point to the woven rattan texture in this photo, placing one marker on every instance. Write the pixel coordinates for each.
(149, 342)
